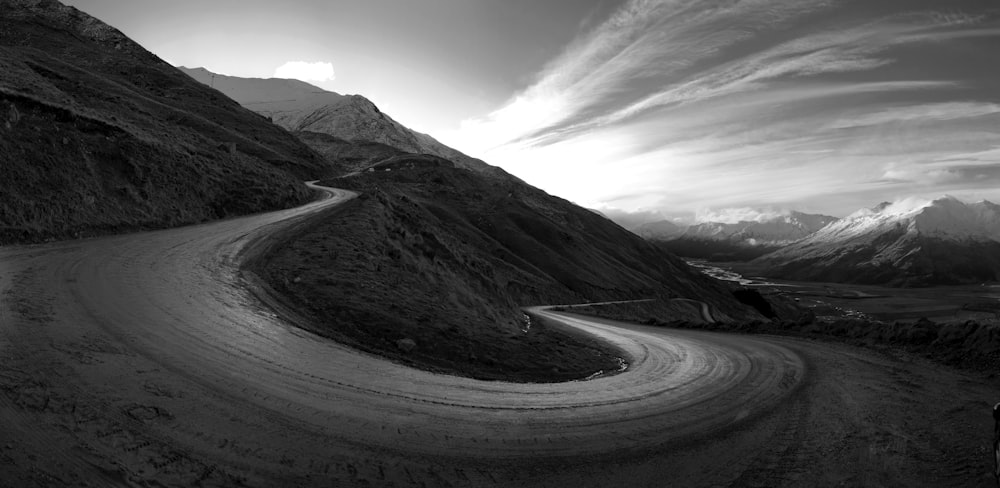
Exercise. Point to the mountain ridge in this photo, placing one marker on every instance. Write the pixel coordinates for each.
(301, 107)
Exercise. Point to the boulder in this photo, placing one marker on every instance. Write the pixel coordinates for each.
(406, 345)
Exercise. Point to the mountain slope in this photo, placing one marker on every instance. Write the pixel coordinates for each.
(446, 258)
(944, 241)
(300, 107)
(99, 135)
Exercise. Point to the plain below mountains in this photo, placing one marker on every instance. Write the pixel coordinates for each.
(98, 135)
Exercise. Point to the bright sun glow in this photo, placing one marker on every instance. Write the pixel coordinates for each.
(301, 70)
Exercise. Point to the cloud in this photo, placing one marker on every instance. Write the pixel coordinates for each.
(304, 71)
(986, 157)
(930, 112)
(674, 106)
(631, 220)
(594, 82)
(738, 214)
(898, 207)
(911, 173)
(643, 41)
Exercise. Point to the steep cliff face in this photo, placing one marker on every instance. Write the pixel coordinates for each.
(98, 135)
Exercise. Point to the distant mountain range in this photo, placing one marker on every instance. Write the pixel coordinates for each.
(944, 241)
(738, 241)
(907, 243)
(306, 109)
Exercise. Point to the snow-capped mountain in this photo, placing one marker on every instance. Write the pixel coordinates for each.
(773, 231)
(740, 241)
(904, 243)
(303, 108)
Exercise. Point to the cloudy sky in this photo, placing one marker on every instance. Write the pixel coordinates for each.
(672, 108)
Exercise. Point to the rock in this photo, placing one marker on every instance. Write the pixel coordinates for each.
(406, 345)
(228, 147)
(13, 116)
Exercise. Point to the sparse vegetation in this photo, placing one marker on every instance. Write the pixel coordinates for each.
(97, 135)
(445, 257)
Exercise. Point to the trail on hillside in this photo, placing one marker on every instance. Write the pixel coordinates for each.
(147, 358)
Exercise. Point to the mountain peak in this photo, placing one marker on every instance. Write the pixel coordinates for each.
(300, 107)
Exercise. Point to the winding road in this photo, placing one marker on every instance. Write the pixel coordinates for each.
(145, 358)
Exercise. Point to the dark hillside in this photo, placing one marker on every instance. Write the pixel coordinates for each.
(99, 135)
(445, 257)
(347, 156)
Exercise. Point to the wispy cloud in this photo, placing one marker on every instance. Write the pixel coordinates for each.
(704, 105)
(923, 113)
(643, 41)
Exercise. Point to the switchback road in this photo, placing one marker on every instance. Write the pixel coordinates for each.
(144, 358)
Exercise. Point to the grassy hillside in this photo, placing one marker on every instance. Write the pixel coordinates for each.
(444, 257)
(98, 135)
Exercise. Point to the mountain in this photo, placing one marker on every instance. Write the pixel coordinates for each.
(660, 230)
(300, 107)
(944, 241)
(745, 240)
(772, 231)
(98, 135)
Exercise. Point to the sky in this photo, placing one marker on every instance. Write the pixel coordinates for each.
(643, 109)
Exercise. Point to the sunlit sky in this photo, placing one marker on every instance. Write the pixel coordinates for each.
(674, 108)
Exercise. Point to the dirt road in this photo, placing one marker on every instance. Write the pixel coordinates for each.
(143, 359)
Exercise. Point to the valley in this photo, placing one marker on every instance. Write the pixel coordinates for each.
(835, 300)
